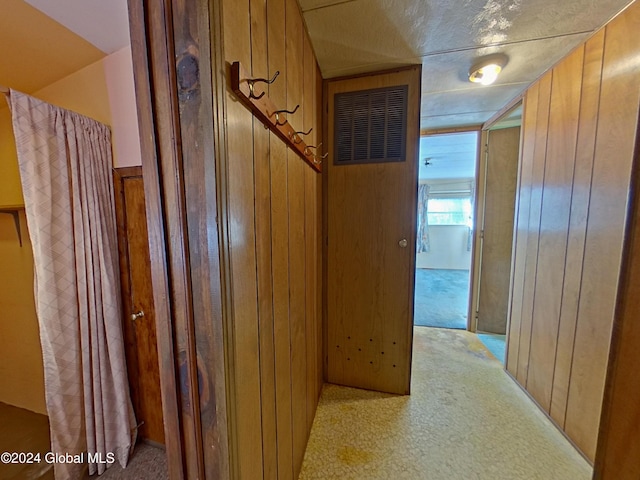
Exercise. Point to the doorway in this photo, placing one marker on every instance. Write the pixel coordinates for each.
(498, 180)
(444, 246)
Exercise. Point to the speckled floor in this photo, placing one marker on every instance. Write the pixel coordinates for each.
(465, 419)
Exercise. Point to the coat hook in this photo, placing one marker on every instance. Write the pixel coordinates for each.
(317, 160)
(252, 81)
(295, 136)
(278, 112)
(307, 149)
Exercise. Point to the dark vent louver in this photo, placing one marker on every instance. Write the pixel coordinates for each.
(370, 125)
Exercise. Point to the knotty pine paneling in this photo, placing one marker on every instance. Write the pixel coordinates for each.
(568, 262)
(275, 254)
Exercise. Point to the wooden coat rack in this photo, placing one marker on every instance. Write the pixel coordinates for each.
(250, 91)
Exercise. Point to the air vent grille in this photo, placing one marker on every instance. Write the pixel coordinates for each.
(370, 125)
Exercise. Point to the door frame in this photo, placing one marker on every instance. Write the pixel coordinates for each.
(478, 213)
(476, 259)
(180, 87)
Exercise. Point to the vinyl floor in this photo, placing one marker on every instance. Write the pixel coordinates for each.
(464, 420)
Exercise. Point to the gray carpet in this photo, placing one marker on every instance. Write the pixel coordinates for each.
(441, 298)
(147, 462)
(495, 344)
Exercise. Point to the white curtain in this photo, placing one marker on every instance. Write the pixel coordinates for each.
(472, 198)
(65, 169)
(423, 243)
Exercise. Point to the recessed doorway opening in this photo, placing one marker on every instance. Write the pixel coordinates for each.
(446, 204)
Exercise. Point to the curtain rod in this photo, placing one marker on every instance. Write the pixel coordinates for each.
(7, 94)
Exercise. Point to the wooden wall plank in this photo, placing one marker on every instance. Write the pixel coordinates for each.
(603, 249)
(311, 234)
(582, 224)
(240, 190)
(554, 224)
(318, 137)
(523, 199)
(262, 191)
(280, 245)
(155, 41)
(297, 291)
(196, 39)
(619, 442)
(277, 333)
(533, 228)
(577, 224)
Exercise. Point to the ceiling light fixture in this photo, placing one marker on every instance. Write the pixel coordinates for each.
(486, 70)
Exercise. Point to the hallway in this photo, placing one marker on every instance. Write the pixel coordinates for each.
(465, 419)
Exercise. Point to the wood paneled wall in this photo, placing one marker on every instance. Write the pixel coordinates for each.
(274, 202)
(579, 131)
(619, 440)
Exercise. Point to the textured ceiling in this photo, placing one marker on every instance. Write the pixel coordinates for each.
(450, 156)
(349, 37)
(358, 36)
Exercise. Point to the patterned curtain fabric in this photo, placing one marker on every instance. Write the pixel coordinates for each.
(65, 169)
(423, 244)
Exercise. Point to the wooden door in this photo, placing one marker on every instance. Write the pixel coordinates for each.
(497, 229)
(371, 232)
(135, 274)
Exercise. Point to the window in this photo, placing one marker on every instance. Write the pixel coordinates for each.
(450, 211)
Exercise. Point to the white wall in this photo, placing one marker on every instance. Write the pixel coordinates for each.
(448, 248)
(118, 70)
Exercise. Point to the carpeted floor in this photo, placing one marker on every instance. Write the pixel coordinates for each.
(25, 431)
(147, 462)
(495, 343)
(465, 419)
(441, 298)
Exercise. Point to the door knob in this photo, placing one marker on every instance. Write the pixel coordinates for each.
(135, 316)
(403, 243)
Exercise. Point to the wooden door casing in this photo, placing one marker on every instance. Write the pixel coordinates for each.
(497, 240)
(137, 297)
(370, 278)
